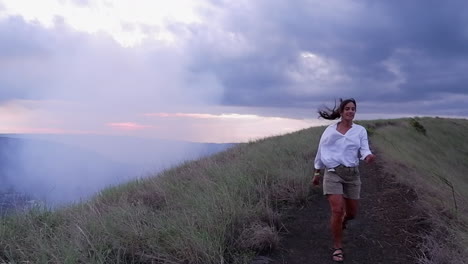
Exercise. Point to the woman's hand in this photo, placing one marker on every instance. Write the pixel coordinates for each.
(316, 180)
(369, 158)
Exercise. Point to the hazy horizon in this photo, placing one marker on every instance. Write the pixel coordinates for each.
(69, 169)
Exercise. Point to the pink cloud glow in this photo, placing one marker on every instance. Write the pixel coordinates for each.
(42, 130)
(127, 126)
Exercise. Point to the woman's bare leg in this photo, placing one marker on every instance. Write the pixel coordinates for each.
(350, 208)
(337, 212)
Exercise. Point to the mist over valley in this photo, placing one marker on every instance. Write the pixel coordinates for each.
(61, 169)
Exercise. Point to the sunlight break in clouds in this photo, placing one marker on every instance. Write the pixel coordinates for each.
(222, 128)
(23, 116)
(128, 22)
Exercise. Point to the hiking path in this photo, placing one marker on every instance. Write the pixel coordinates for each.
(387, 228)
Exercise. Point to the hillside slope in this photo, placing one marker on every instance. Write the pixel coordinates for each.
(413, 206)
(236, 204)
(431, 156)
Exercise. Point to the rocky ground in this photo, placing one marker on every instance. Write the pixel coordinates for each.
(387, 229)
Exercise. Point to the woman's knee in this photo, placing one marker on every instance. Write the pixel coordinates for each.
(336, 204)
(337, 211)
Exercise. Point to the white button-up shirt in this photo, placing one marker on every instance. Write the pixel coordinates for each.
(337, 149)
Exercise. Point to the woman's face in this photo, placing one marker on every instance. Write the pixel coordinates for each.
(349, 111)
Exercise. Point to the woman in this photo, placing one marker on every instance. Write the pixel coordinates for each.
(337, 154)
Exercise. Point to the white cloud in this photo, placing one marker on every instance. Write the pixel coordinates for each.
(313, 74)
(126, 21)
(312, 67)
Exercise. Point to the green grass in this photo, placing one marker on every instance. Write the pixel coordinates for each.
(431, 155)
(227, 208)
(221, 209)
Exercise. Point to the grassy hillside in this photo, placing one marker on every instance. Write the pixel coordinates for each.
(215, 210)
(225, 208)
(431, 155)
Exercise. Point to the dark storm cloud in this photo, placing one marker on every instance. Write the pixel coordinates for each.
(433, 26)
(258, 53)
(33, 58)
(19, 41)
(389, 51)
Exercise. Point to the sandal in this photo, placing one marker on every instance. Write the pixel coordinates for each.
(338, 255)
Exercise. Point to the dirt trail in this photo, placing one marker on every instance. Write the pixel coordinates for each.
(385, 231)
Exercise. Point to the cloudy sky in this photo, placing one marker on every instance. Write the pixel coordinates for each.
(225, 70)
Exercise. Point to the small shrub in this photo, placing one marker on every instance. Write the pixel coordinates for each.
(370, 129)
(418, 126)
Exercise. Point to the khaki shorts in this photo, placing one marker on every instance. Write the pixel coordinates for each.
(343, 180)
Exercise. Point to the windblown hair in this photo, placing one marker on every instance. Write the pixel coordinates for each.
(335, 113)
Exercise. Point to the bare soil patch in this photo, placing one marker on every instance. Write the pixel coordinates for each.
(387, 230)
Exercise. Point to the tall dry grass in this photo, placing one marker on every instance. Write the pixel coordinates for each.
(431, 155)
(221, 209)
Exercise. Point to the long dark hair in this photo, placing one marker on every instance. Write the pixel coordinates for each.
(335, 113)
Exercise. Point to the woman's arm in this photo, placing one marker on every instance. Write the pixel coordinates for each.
(318, 164)
(365, 151)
